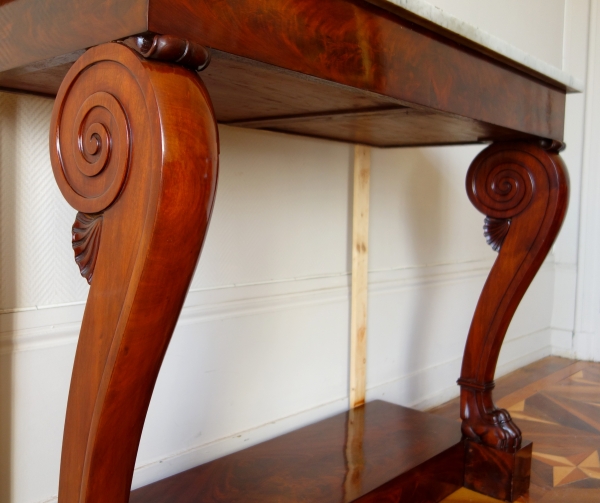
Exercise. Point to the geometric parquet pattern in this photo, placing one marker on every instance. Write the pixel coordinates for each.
(556, 403)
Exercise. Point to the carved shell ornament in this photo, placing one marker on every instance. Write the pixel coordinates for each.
(87, 231)
(495, 231)
(94, 154)
(90, 150)
(500, 187)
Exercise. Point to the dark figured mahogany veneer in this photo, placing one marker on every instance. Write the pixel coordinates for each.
(398, 454)
(140, 86)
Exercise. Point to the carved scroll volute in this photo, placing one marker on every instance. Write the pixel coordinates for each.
(522, 188)
(134, 149)
(90, 143)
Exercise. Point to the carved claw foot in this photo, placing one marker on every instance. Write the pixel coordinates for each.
(482, 422)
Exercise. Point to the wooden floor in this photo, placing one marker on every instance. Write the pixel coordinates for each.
(556, 403)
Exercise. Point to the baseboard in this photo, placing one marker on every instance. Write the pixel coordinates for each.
(562, 343)
(586, 346)
(421, 390)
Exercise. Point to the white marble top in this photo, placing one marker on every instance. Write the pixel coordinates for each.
(428, 12)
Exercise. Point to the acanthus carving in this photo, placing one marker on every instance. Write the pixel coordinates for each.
(495, 231)
(86, 234)
(170, 49)
(523, 190)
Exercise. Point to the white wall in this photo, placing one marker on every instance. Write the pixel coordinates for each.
(535, 26)
(262, 344)
(566, 249)
(586, 341)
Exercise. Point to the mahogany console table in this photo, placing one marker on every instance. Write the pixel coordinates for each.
(134, 148)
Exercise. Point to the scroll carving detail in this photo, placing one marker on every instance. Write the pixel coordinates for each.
(91, 145)
(87, 231)
(499, 187)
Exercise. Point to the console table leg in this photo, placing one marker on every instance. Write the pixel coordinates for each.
(134, 148)
(522, 188)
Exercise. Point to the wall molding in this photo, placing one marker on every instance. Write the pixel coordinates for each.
(54, 326)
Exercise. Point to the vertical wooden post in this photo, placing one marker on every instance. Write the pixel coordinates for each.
(360, 263)
(355, 458)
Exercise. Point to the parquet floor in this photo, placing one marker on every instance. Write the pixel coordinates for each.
(556, 403)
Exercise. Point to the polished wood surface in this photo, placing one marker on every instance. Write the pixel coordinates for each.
(369, 454)
(37, 30)
(362, 46)
(134, 148)
(503, 475)
(524, 189)
(556, 402)
(253, 95)
(386, 127)
(344, 70)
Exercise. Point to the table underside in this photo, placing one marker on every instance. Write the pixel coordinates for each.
(255, 95)
(346, 70)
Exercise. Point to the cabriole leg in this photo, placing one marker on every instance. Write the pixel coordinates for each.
(134, 149)
(522, 188)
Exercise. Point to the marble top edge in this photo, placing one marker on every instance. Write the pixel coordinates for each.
(437, 16)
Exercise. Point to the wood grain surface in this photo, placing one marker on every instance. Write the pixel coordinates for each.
(36, 30)
(523, 186)
(323, 58)
(134, 142)
(500, 474)
(375, 452)
(360, 275)
(357, 44)
(253, 95)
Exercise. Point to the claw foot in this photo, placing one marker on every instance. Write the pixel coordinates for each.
(482, 422)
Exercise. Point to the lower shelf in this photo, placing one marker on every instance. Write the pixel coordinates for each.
(378, 452)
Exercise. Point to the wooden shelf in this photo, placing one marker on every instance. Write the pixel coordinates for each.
(377, 452)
